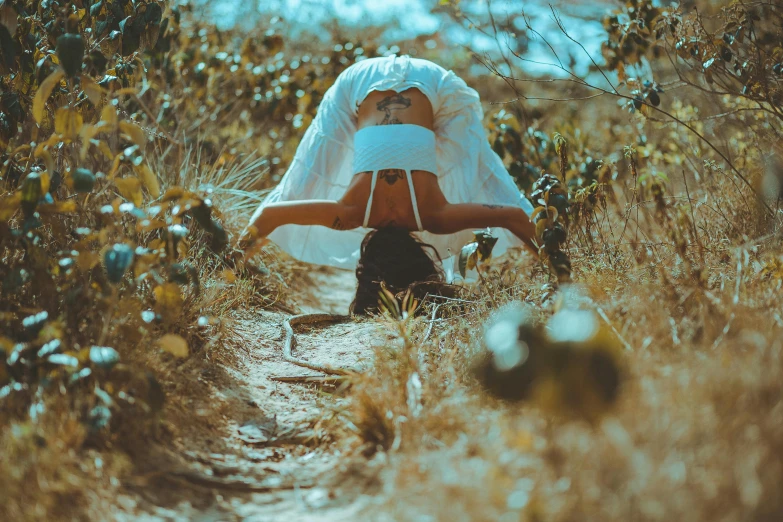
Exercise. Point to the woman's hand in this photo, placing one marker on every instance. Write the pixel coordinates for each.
(250, 243)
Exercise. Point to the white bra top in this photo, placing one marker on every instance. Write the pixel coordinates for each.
(402, 146)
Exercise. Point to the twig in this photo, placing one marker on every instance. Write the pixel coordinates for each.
(206, 481)
(693, 217)
(290, 341)
(432, 322)
(603, 315)
(311, 379)
(723, 333)
(614, 92)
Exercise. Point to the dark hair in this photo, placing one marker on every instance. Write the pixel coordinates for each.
(394, 256)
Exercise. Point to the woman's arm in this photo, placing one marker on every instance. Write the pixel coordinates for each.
(327, 213)
(454, 217)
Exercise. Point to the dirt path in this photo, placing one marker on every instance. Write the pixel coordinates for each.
(269, 437)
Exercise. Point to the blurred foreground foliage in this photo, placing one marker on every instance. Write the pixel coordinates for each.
(124, 127)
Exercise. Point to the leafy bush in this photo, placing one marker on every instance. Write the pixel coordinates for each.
(122, 134)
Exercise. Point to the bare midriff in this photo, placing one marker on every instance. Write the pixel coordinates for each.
(391, 201)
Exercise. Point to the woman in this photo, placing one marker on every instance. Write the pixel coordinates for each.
(397, 145)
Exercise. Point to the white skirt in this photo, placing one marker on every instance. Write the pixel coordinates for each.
(469, 171)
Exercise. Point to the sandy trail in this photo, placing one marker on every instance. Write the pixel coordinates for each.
(269, 436)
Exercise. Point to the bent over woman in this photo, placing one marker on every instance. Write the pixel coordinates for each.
(397, 145)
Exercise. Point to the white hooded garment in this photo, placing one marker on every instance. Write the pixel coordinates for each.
(469, 171)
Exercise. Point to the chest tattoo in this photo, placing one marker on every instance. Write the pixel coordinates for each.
(392, 175)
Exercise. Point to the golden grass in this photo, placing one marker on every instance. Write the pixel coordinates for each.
(696, 434)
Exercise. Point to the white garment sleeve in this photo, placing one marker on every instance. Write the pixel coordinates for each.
(322, 168)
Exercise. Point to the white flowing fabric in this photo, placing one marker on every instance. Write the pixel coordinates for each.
(469, 171)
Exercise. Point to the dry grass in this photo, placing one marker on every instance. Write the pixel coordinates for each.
(697, 429)
(48, 473)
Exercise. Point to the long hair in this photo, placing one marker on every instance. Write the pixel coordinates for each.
(396, 258)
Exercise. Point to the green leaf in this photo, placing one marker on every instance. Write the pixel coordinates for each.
(83, 180)
(117, 260)
(70, 51)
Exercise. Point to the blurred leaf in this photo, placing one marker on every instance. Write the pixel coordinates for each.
(109, 116)
(93, 91)
(34, 323)
(63, 359)
(9, 205)
(468, 257)
(42, 153)
(68, 123)
(99, 418)
(31, 192)
(39, 102)
(50, 348)
(104, 357)
(117, 260)
(130, 189)
(168, 298)
(174, 344)
(541, 226)
(80, 375)
(70, 51)
(203, 213)
(83, 180)
(219, 237)
(149, 179)
(135, 133)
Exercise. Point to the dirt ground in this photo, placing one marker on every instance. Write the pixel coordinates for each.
(264, 451)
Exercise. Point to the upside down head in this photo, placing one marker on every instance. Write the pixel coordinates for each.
(396, 258)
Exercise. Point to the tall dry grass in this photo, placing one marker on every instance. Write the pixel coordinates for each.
(692, 289)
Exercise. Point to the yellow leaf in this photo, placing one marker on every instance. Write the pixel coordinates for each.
(21, 148)
(126, 91)
(115, 165)
(42, 153)
(68, 122)
(148, 225)
(87, 260)
(44, 90)
(541, 227)
(173, 193)
(168, 299)
(149, 179)
(87, 133)
(9, 206)
(93, 91)
(134, 132)
(174, 344)
(228, 275)
(44, 182)
(109, 115)
(130, 189)
(105, 149)
(53, 141)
